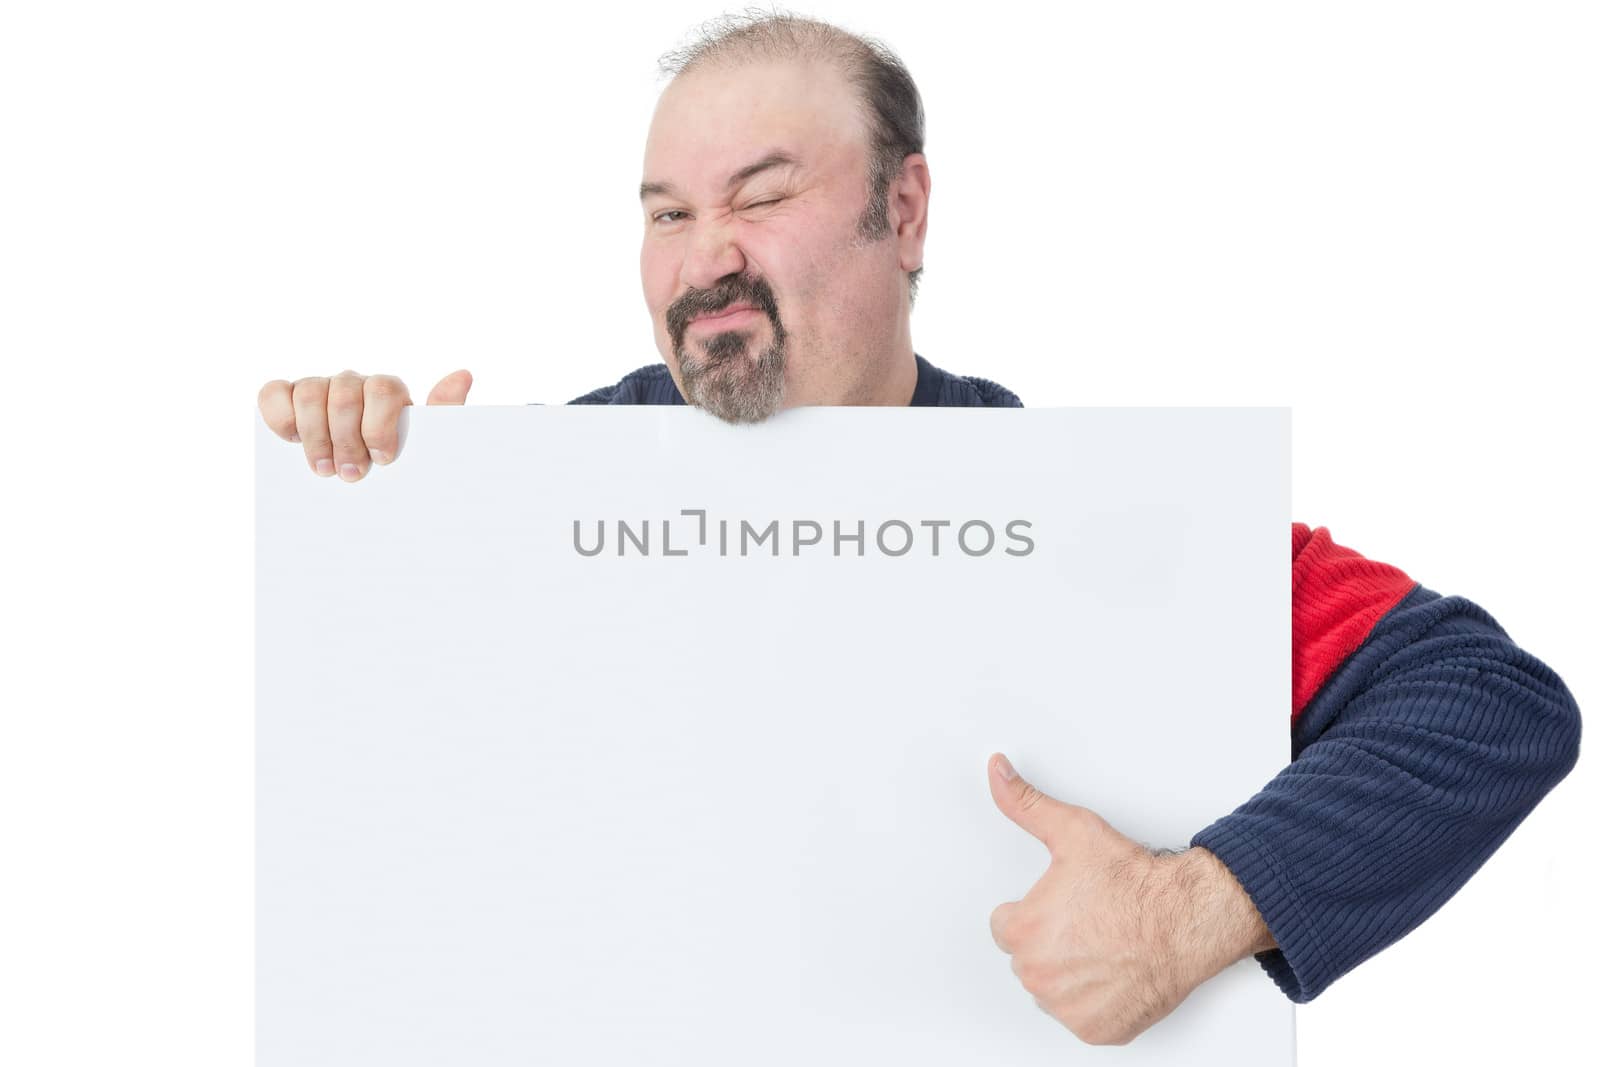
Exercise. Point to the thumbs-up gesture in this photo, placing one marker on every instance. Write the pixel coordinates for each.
(1114, 936)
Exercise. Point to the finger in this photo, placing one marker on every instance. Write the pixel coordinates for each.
(383, 395)
(1000, 920)
(311, 423)
(276, 403)
(344, 426)
(1043, 816)
(452, 388)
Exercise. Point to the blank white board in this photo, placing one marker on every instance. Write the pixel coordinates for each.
(518, 804)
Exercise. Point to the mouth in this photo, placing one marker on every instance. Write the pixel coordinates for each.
(733, 315)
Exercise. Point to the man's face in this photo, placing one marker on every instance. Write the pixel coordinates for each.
(762, 291)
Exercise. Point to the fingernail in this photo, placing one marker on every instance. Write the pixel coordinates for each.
(379, 457)
(1007, 771)
(350, 472)
(324, 467)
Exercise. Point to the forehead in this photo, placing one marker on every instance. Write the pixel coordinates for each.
(713, 120)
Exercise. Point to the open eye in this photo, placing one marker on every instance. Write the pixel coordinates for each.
(662, 216)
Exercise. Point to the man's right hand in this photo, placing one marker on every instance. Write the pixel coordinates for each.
(350, 421)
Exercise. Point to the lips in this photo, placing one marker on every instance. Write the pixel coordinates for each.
(728, 314)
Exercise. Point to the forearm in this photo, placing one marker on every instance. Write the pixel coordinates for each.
(1413, 765)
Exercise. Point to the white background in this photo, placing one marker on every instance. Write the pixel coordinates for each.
(1382, 214)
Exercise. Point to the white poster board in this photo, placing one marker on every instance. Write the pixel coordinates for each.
(517, 804)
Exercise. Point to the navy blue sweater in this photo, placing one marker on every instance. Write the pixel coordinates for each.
(935, 388)
(1420, 737)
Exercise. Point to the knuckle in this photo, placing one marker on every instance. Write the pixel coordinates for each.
(344, 399)
(385, 387)
(309, 396)
(1022, 926)
(1029, 973)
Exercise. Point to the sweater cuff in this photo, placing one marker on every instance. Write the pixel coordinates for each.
(1297, 964)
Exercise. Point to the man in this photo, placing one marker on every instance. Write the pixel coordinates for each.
(785, 201)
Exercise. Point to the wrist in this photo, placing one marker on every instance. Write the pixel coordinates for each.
(1214, 924)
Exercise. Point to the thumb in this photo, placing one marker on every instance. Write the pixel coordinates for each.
(1040, 814)
(452, 388)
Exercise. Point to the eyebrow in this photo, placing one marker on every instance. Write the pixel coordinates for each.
(775, 158)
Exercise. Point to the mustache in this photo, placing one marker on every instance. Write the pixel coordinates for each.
(735, 290)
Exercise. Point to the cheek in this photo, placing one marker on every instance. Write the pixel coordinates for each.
(801, 269)
(822, 279)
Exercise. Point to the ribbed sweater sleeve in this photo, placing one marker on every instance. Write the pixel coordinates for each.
(1420, 737)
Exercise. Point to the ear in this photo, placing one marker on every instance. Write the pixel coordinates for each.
(908, 209)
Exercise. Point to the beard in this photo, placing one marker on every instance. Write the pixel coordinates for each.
(723, 377)
(730, 384)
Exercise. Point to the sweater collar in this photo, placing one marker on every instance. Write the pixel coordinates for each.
(930, 384)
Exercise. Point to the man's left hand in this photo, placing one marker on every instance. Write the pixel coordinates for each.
(1114, 936)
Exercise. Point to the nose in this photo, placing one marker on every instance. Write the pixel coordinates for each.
(713, 254)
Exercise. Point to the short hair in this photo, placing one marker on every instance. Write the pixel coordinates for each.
(891, 104)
